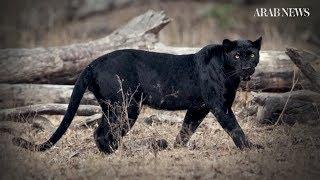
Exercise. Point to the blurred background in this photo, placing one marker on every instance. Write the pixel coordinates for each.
(34, 23)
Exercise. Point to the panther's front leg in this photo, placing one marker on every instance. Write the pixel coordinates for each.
(192, 120)
(227, 120)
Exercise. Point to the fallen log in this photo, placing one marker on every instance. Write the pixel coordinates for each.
(305, 67)
(89, 121)
(15, 95)
(274, 73)
(61, 65)
(15, 114)
(303, 107)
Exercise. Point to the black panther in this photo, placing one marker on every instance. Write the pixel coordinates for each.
(200, 83)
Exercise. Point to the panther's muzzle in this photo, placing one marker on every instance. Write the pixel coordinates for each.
(246, 78)
(246, 73)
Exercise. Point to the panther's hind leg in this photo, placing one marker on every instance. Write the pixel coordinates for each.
(192, 120)
(113, 125)
(106, 137)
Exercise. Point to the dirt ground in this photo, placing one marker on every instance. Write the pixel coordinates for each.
(290, 152)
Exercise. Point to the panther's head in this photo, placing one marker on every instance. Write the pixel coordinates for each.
(242, 57)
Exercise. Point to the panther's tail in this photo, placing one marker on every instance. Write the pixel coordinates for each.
(77, 94)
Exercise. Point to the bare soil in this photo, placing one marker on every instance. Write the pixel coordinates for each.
(290, 152)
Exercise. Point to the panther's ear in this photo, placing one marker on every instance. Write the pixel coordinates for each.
(257, 43)
(228, 45)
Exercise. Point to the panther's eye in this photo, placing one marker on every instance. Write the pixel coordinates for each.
(237, 56)
(252, 55)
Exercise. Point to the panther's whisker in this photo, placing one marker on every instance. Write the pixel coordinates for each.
(233, 74)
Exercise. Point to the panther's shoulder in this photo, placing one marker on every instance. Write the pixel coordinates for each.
(212, 49)
(210, 52)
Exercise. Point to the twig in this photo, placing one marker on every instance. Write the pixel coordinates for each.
(294, 82)
(301, 62)
(89, 120)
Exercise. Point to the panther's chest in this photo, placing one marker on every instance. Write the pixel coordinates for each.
(232, 84)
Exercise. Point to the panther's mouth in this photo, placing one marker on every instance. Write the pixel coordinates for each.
(246, 78)
(246, 75)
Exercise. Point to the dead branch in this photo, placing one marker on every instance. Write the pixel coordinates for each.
(89, 121)
(62, 64)
(15, 95)
(50, 109)
(302, 106)
(295, 80)
(299, 59)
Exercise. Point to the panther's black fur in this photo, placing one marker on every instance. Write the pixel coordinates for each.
(201, 83)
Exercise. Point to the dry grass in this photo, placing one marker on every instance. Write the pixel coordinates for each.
(290, 152)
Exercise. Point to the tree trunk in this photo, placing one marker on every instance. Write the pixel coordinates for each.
(273, 74)
(299, 60)
(15, 114)
(15, 95)
(297, 106)
(61, 65)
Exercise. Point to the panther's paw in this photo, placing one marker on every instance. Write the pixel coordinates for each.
(250, 145)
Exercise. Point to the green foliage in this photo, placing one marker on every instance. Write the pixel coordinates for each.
(222, 13)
